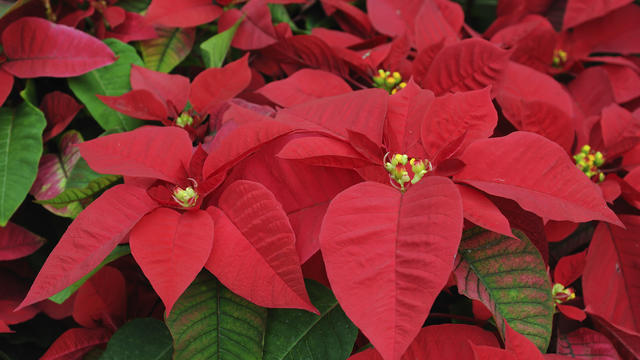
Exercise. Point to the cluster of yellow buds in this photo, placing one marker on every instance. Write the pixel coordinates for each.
(589, 162)
(391, 82)
(562, 294)
(398, 171)
(184, 119)
(559, 58)
(187, 197)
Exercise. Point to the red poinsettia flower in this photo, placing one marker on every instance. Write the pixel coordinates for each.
(163, 97)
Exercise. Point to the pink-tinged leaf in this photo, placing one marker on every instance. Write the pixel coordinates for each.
(59, 109)
(535, 102)
(185, 13)
(166, 87)
(6, 84)
(36, 47)
(471, 64)
(585, 343)
(139, 104)
(360, 111)
(393, 18)
(522, 346)
(102, 300)
(580, 11)
(453, 115)
(552, 187)
(74, 343)
(206, 91)
(627, 342)
(572, 312)
(431, 27)
(304, 85)
(89, 239)
(254, 254)
(406, 112)
(403, 255)
(569, 268)
(323, 151)
(17, 242)
(620, 130)
(611, 279)
(482, 212)
(171, 248)
(491, 266)
(149, 151)
(243, 141)
(256, 30)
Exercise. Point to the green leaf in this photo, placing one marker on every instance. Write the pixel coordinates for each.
(140, 339)
(136, 6)
(169, 49)
(112, 80)
(279, 14)
(215, 49)
(117, 253)
(297, 334)
(20, 149)
(211, 322)
(71, 195)
(29, 92)
(509, 277)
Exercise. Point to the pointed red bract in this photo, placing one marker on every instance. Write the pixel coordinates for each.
(580, 11)
(149, 151)
(569, 268)
(254, 254)
(214, 86)
(102, 300)
(74, 343)
(171, 248)
(166, 87)
(17, 242)
(6, 84)
(89, 239)
(482, 212)
(620, 130)
(59, 109)
(394, 250)
(406, 112)
(304, 85)
(256, 29)
(431, 26)
(537, 174)
(185, 13)
(471, 64)
(140, 104)
(611, 279)
(36, 47)
(471, 113)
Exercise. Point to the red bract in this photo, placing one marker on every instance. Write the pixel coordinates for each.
(35, 47)
(17, 242)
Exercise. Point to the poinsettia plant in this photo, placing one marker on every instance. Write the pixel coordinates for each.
(293, 179)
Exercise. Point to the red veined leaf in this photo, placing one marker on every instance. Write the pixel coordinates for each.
(585, 343)
(207, 92)
(471, 64)
(149, 151)
(323, 151)
(592, 90)
(491, 266)
(482, 212)
(17, 242)
(627, 342)
(36, 47)
(405, 252)
(59, 109)
(580, 11)
(102, 300)
(89, 239)
(183, 14)
(171, 248)
(393, 18)
(139, 104)
(453, 115)
(134, 28)
(556, 231)
(569, 268)
(359, 111)
(304, 85)
(256, 29)
(533, 101)
(572, 312)
(431, 27)
(620, 130)
(483, 352)
(6, 84)
(74, 343)
(166, 87)
(253, 224)
(625, 81)
(349, 17)
(611, 278)
(424, 59)
(552, 188)
(406, 111)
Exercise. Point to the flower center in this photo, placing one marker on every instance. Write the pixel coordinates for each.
(589, 162)
(184, 119)
(187, 197)
(391, 82)
(562, 294)
(398, 173)
(559, 58)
